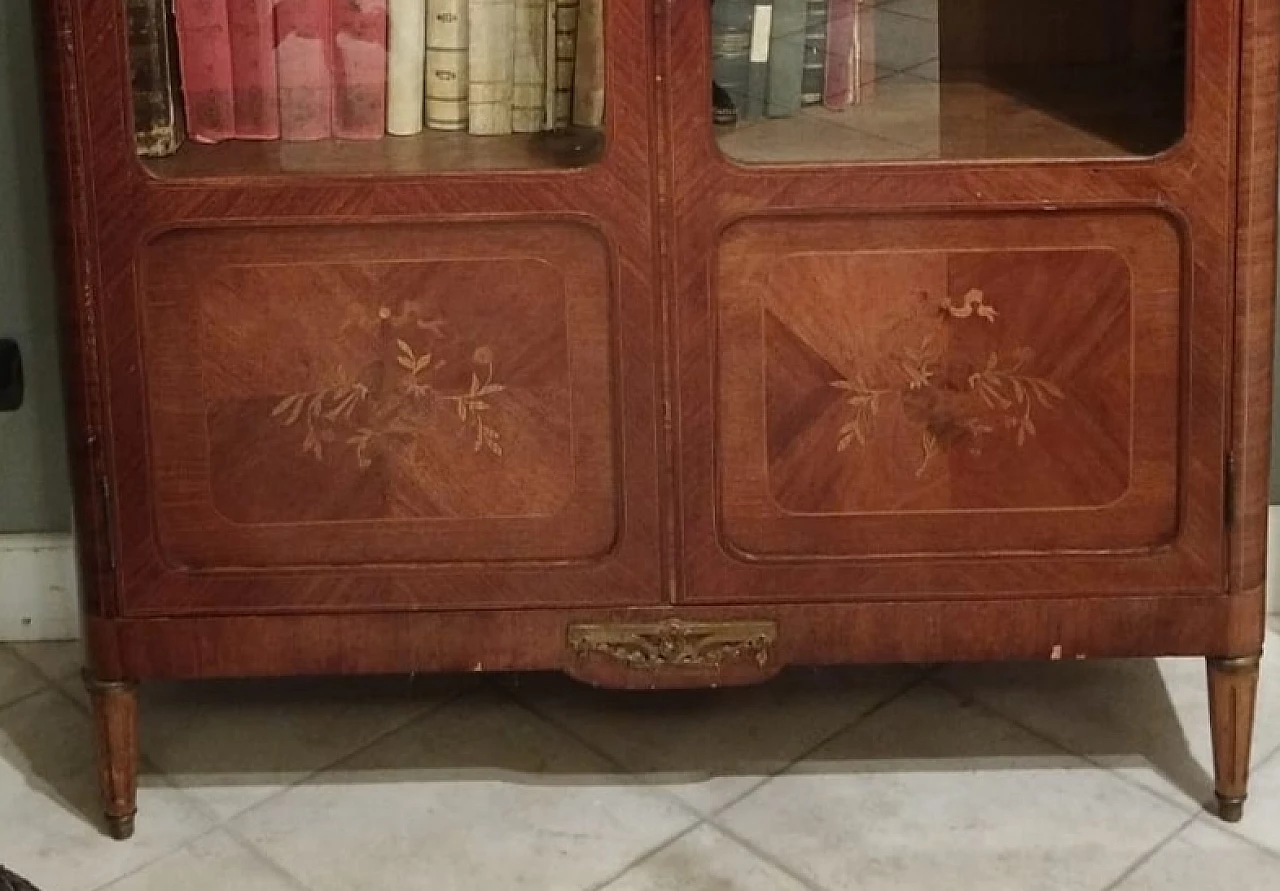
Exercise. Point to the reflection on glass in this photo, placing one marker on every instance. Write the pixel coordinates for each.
(856, 80)
(234, 87)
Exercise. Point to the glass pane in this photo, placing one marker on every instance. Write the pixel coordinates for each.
(800, 81)
(231, 87)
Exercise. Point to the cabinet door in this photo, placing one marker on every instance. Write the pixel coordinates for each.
(412, 372)
(961, 332)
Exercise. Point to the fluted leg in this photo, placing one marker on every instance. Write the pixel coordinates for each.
(1233, 689)
(115, 719)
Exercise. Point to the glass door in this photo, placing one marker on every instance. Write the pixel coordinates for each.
(940, 330)
(858, 80)
(243, 87)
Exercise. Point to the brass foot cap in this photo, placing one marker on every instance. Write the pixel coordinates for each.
(1231, 810)
(120, 828)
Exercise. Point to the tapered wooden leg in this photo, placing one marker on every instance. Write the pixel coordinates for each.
(1233, 690)
(115, 719)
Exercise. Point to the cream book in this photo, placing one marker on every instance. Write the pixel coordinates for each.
(566, 49)
(588, 73)
(549, 55)
(406, 57)
(446, 70)
(490, 66)
(529, 68)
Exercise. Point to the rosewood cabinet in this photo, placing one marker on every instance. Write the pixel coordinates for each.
(975, 368)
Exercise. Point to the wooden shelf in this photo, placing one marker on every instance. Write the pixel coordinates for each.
(1063, 113)
(432, 151)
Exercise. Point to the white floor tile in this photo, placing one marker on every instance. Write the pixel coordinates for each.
(705, 860)
(1261, 821)
(49, 811)
(233, 744)
(710, 746)
(17, 678)
(928, 793)
(59, 660)
(1204, 858)
(478, 795)
(1147, 719)
(216, 862)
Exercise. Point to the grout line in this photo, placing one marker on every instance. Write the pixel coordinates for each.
(596, 750)
(1230, 831)
(358, 750)
(23, 697)
(130, 873)
(35, 665)
(271, 863)
(646, 855)
(1144, 859)
(768, 858)
(852, 723)
(1179, 804)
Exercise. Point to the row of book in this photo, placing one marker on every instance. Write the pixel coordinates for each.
(770, 58)
(363, 69)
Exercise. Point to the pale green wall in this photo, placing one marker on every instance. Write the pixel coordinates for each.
(33, 468)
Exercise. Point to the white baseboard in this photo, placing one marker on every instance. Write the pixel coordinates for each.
(1273, 559)
(38, 588)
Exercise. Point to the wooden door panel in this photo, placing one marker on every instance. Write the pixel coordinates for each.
(380, 394)
(894, 385)
(828, 442)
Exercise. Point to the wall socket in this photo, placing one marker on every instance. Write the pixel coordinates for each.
(11, 382)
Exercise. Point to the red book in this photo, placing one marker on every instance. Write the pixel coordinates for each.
(204, 56)
(360, 68)
(255, 88)
(850, 68)
(304, 40)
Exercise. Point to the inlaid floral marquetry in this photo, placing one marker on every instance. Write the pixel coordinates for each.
(958, 400)
(349, 416)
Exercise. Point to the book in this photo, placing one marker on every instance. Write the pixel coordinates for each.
(850, 68)
(204, 56)
(490, 66)
(529, 67)
(566, 53)
(447, 69)
(304, 39)
(758, 59)
(549, 54)
(786, 58)
(813, 77)
(359, 69)
(254, 89)
(406, 66)
(589, 65)
(731, 53)
(157, 122)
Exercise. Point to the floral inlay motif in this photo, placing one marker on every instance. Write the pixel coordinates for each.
(957, 401)
(389, 404)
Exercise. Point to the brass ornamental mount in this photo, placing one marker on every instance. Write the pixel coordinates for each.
(676, 643)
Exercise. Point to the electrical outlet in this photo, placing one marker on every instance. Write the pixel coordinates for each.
(11, 382)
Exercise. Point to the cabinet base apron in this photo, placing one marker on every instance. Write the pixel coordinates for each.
(678, 648)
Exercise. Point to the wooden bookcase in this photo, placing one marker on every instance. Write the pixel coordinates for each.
(977, 368)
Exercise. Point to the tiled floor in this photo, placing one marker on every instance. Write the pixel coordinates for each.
(1021, 777)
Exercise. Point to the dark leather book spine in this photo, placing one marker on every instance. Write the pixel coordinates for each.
(813, 79)
(731, 48)
(157, 117)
